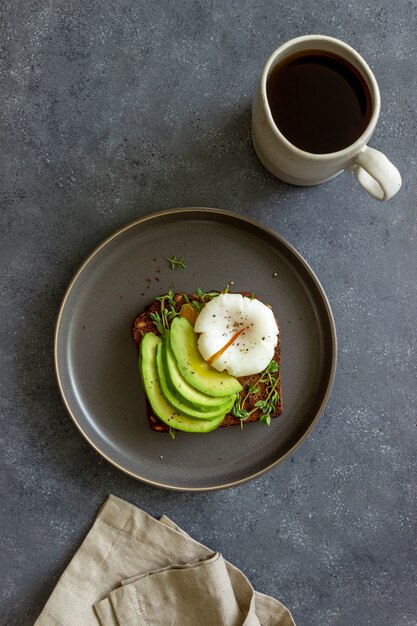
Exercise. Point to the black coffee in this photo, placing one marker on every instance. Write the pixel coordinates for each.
(319, 101)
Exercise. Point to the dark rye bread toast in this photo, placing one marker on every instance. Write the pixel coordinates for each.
(143, 324)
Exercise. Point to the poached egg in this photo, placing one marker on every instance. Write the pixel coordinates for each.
(237, 334)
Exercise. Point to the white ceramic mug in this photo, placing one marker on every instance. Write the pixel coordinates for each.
(285, 161)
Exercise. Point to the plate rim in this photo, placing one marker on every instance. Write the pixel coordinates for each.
(238, 218)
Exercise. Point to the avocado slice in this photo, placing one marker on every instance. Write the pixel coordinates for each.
(183, 407)
(161, 408)
(196, 371)
(183, 390)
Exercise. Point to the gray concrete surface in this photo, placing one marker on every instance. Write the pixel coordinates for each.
(111, 110)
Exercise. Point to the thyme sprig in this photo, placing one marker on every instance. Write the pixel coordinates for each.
(169, 307)
(204, 297)
(176, 264)
(268, 405)
(164, 317)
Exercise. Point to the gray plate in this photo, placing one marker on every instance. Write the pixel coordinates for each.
(96, 361)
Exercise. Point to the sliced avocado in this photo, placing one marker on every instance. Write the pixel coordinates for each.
(183, 390)
(161, 408)
(196, 371)
(183, 407)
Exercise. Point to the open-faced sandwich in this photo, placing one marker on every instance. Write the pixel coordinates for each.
(208, 359)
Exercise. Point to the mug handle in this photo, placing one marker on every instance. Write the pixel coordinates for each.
(376, 174)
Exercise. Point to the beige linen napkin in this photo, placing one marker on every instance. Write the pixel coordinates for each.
(132, 569)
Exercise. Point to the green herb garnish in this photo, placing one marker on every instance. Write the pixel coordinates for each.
(176, 264)
(157, 320)
(203, 296)
(164, 317)
(268, 405)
